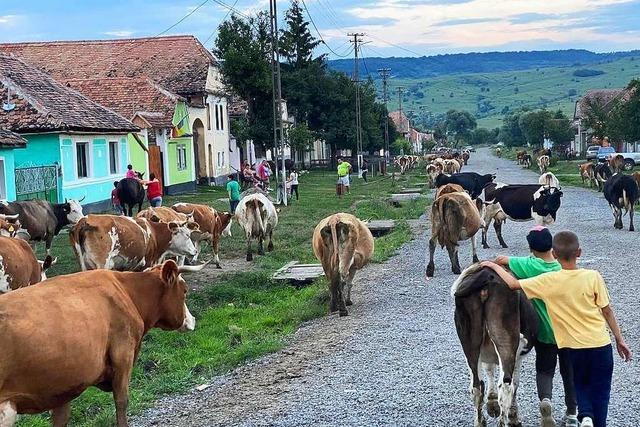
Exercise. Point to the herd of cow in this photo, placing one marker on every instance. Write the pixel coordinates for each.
(56, 344)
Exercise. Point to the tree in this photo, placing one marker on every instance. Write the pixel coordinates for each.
(400, 146)
(460, 124)
(559, 129)
(510, 132)
(483, 136)
(243, 47)
(296, 42)
(533, 126)
(623, 122)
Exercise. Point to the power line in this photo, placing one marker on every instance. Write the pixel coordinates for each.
(396, 45)
(384, 73)
(195, 9)
(319, 34)
(215, 29)
(357, 39)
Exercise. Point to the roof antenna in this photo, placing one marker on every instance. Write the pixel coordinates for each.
(8, 106)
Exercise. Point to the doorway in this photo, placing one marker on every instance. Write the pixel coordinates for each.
(199, 152)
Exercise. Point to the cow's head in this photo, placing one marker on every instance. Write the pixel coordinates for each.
(546, 202)
(45, 265)
(73, 210)
(182, 239)
(9, 225)
(173, 311)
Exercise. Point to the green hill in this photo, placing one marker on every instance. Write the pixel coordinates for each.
(491, 95)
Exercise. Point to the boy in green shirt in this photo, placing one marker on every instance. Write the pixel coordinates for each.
(233, 188)
(543, 261)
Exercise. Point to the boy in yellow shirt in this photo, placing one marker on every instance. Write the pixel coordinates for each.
(578, 304)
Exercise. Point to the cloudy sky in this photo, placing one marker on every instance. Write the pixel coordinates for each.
(393, 27)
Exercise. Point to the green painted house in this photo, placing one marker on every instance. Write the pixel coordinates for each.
(164, 145)
(75, 148)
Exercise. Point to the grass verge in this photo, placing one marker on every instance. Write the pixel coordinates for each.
(243, 315)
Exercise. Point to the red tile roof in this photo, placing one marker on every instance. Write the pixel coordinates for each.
(178, 63)
(43, 104)
(400, 120)
(130, 96)
(11, 139)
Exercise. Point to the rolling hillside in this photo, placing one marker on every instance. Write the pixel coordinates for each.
(490, 95)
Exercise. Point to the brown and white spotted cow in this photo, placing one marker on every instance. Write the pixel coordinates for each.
(588, 173)
(258, 217)
(343, 244)
(212, 224)
(163, 214)
(121, 243)
(543, 163)
(19, 266)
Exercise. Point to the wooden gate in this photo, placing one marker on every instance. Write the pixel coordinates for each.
(155, 163)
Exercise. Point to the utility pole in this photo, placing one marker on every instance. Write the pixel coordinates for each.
(357, 39)
(400, 89)
(278, 138)
(384, 73)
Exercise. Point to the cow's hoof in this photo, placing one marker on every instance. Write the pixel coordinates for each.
(249, 257)
(632, 229)
(344, 313)
(485, 246)
(430, 271)
(456, 270)
(270, 247)
(348, 302)
(504, 245)
(218, 266)
(493, 408)
(476, 259)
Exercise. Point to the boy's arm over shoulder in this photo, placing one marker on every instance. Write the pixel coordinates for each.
(518, 265)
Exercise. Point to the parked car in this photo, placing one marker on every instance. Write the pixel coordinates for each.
(604, 153)
(471, 148)
(592, 152)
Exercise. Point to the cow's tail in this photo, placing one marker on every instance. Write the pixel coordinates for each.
(258, 213)
(78, 237)
(333, 225)
(450, 224)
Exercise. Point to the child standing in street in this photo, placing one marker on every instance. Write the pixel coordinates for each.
(115, 199)
(542, 261)
(578, 304)
(233, 189)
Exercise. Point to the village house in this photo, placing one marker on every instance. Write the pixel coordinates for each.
(164, 119)
(606, 100)
(178, 65)
(401, 121)
(57, 144)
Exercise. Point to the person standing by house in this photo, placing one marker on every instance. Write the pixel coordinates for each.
(115, 199)
(263, 171)
(154, 191)
(365, 169)
(233, 189)
(344, 168)
(293, 180)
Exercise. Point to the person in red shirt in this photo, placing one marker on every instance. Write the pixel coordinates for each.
(115, 199)
(154, 191)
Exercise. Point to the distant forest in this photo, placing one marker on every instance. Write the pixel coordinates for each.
(430, 66)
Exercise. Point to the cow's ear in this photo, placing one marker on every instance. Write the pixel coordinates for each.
(193, 226)
(170, 272)
(173, 226)
(154, 218)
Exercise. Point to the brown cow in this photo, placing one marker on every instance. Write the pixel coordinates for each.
(636, 176)
(163, 214)
(588, 173)
(543, 163)
(120, 243)
(91, 325)
(343, 244)
(616, 163)
(432, 172)
(212, 223)
(454, 217)
(448, 189)
(19, 266)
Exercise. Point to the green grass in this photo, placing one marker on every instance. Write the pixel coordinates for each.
(244, 315)
(552, 88)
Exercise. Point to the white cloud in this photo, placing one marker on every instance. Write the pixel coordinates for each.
(119, 33)
(485, 23)
(9, 20)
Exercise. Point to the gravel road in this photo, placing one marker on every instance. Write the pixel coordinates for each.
(396, 360)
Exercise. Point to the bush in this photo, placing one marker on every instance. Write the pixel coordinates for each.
(585, 72)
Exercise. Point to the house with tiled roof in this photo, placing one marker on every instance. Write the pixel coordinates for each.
(163, 117)
(604, 99)
(180, 65)
(75, 148)
(401, 122)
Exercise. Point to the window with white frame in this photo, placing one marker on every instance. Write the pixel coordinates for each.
(82, 159)
(220, 159)
(182, 156)
(221, 117)
(208, 116)
(113, 157)
(215, 109)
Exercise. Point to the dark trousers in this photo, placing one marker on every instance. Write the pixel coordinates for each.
(294, 189)
(592, 371)
(364, 175)
(547, 356)
(233, 204)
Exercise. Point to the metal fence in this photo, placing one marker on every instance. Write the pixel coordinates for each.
(37, 182)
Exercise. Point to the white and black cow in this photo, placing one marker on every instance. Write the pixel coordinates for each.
(44, 220)
(621, 191)
(602, 173)
(472, 182)
(521, 202)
